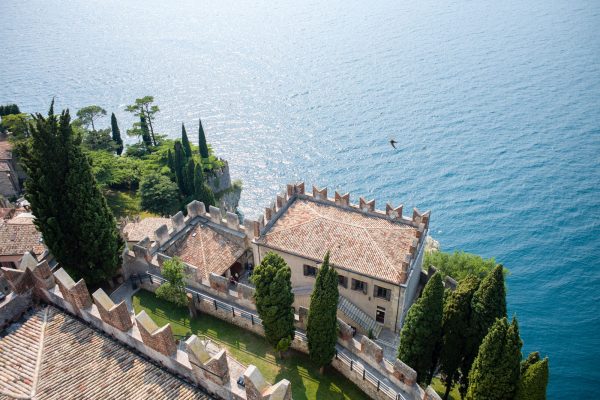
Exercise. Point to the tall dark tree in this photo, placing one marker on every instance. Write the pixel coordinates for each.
(70, 211)
(488, 304)
(274, 298)
(456, 329)
(9, 109)
(116, 134)
(188, 177)
(145, 132)
(496, 369)
(179, 164)
(187, 148)
(202, 141)
(534, 378)
(201, 190)
(322, 326)
(170, 160)
(422, 330)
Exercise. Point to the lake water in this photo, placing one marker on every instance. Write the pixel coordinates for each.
(496, 106)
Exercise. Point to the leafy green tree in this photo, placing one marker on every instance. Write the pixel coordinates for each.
(143, 107)
(173, 289)
(488, 304)
(115, 172)
(422, 330)
(159, 194)
(116, 134)
(9, 109)
(459, 264)
(179, 163)
(202, 141)
(70, 211)
(187, 148)
(322, 326)
(18, 124)
(495, 371)
(534, 378)
(456, 329)
(89, 114)
(99, 140)
(201, 190)
(274, 298)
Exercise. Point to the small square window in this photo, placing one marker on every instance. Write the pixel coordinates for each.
(359, 286)
(343, 281)
(309, 270)
(381, 292)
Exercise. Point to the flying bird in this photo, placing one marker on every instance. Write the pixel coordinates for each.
(393, 143)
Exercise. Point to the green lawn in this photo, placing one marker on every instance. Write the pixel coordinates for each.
(440, 388)
(249, 348)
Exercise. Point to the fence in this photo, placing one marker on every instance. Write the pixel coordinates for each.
(255, 320)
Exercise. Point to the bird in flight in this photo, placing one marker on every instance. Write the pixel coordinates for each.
(393, 143)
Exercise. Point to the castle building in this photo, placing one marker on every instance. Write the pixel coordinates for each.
(377, 255)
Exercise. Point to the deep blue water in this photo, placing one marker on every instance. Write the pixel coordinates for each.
(496, 106)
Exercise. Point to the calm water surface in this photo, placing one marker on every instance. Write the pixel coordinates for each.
(496, 106)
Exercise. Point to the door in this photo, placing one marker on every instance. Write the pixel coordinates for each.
(380, 315)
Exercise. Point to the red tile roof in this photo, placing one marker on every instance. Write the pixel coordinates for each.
(359, 242)
(136, 231)
(16, 239)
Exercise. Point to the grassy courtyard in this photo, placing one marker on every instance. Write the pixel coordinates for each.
(249, 348)
(439, 387)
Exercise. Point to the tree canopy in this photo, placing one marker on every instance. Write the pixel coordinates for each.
(202, 141)
(145, 110)
(159, 194)
(322, 324)
(173, 289)
(89, 114)
(459, 264)
(534, 378)
(422, 330)
(116, 134)
(274, 298)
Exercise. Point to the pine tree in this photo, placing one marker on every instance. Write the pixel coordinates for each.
(274, 298)
(322, 326)
(116, 134)
(70, 211)
(201, 190)
(188, 177)
(534, 378)
(179, 166)
(202, 141)
(422, 329)
(145, 132)
(488, 304)
(455, 329)
(187, 148)
(495, 371)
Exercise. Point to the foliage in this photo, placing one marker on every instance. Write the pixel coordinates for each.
(455, 329)
(534, 378)
(488, 304)
(18, 124)
(188, 177)
(274, 297)
(116, 134)
(201, 190)
(115, 172)
(422, 330)
(459, 264)
(173, 289)
(71, 213)
(202, 141)
(187, 148)
(9, 109)
(322, 326)
(144, 109)
(495, 372)
(179, 164)
(283, 345)
(87, 115)
(99, 140)
(159, 194)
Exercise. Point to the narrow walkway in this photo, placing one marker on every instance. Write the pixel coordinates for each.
(127, 290)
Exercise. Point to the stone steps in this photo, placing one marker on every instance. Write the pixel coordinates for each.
(357, 315)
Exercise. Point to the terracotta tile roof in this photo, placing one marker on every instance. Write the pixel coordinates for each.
(358, 242)
(5, 150)
(16, 239)
(5, 167)
(136, 231)
(76, 362)
(208, 250)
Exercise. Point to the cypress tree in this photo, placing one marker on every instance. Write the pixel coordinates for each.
(145, 132)
(422, 330)
(495, 371)
(455, 329)
(188, 177)
(170, 161)
(187, 148)
(202, 141)
(534, 378)
(201, 190)
(274, 298)
(179, 166)
(322, 326)
(70, 211)
(116, 134)
(488, 304)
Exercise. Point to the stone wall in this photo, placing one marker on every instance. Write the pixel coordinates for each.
(13, 307)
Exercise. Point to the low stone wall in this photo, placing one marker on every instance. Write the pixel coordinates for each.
(13, 307)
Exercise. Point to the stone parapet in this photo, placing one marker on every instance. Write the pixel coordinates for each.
(371, 350)
(404, 373)
(205, 365)
(75, 293)
(258, 389)
(218, 282)
(158, 339)
(113, 314)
